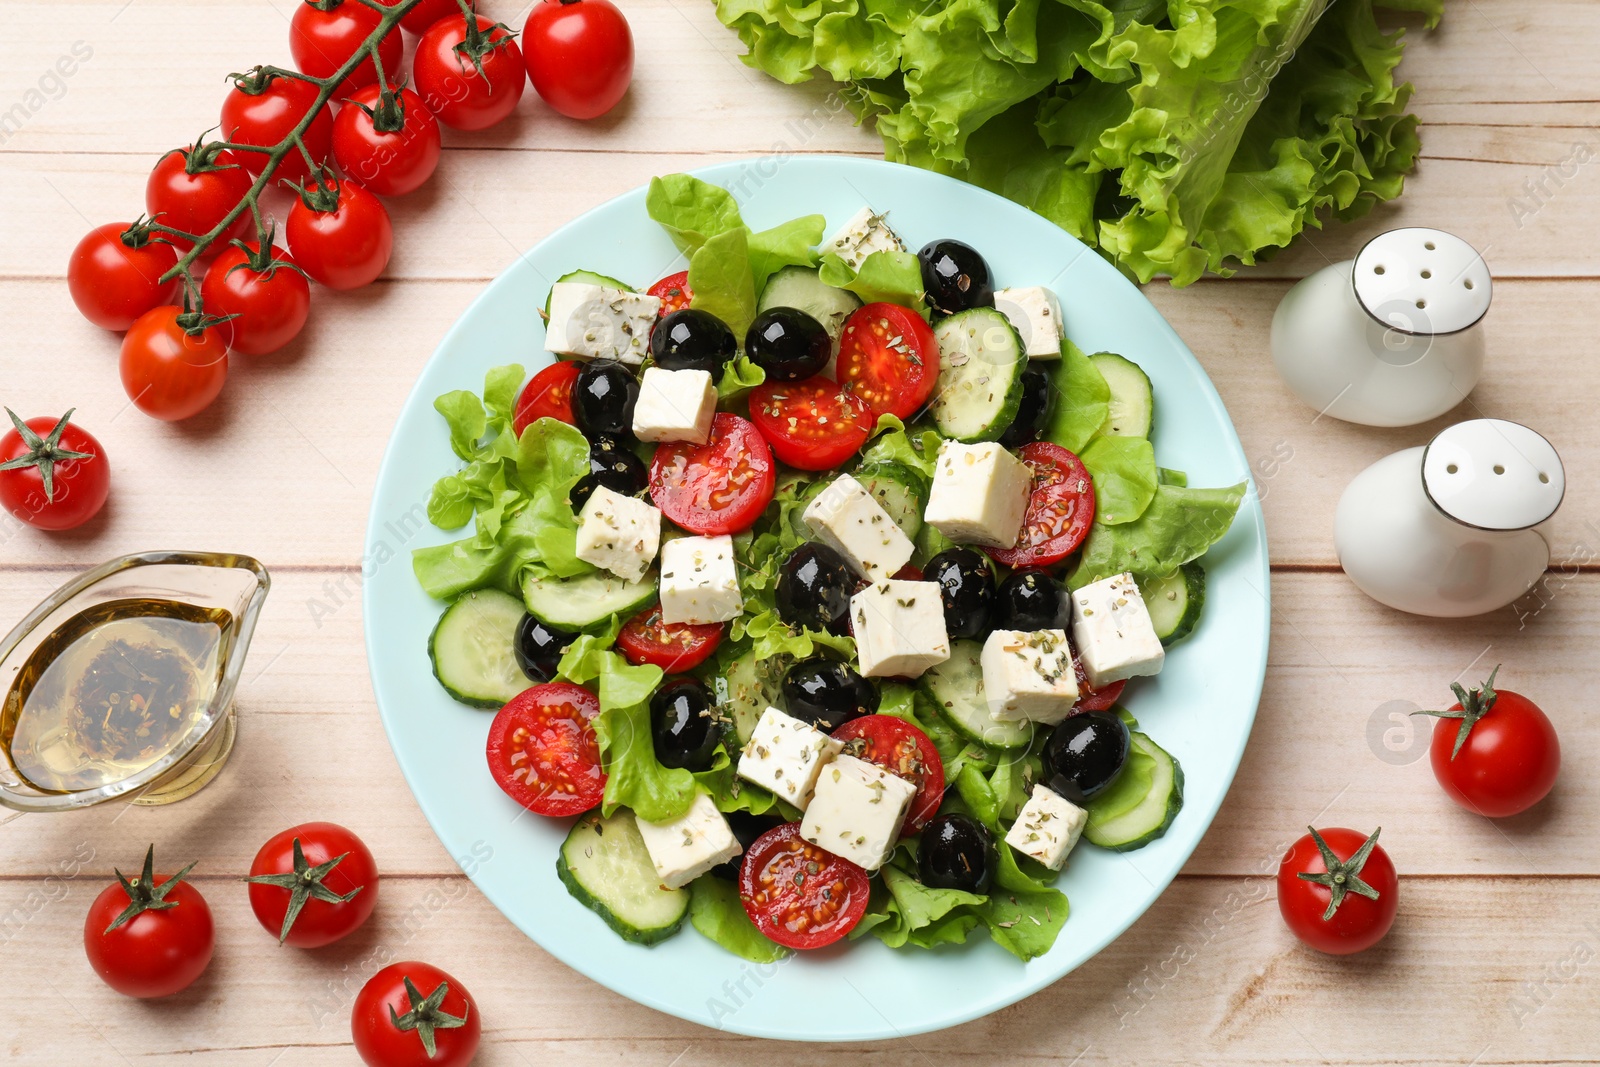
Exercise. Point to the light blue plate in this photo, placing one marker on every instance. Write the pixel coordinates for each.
(1200, 707)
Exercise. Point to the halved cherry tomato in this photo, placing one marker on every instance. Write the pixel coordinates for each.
(813, 425)
(673, 291)
(543, 752)
(1059, 512)
(889, 357)
(905, 752)
(547, 396)
(720, 487)
(797, 894)
(1103, 699)
(909, 573)
(675, 647)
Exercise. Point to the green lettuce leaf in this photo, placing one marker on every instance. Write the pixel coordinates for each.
(690, 210)
(1179, 525)
(715, 910)
(739, 376)
(721, 278)
(892, 277)
(1124, 473)
(790, 244)
(1081, 400)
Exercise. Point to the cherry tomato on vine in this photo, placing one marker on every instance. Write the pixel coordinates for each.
(1338, 890)
(1494, 752)
(386, 141)
(469, 72)
(674, 293)
(313, 884)
(415, 1015)
(264, 109)
(174, 362)
(53, 474)
(340, 234)
(579, 55)
(265, 292)
(149, 936)
(424, 15)
(193, 189)
(548, 395)
(324, 34)
(114, 274)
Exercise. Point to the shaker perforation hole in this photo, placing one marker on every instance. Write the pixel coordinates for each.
(1467, 284)
(1378, 269)
(1429, 245)
(1422, 304)
(1499, 469)
(1427, 274)
(1452, 469)
(1544, 479)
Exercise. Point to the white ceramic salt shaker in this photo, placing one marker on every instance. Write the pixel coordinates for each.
(1447, 529)
(1390, 338)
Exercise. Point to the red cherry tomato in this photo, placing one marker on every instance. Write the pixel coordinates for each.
(797, 894)
(414, 1015)
(323, 868)
(579, 55)
(340, 234)
(889, 357)
(905, 752)
(387, 143)
(115, 273)
(469, 72)
(425, 14)
(1103, 699)
(543, 752)
(719, 487)
(813, 425)
(149, 936)
(675, 647)
(264, 109)
(174, 363)
(1059, 511)
(268, 294)
(323, 41)
(58, 476)
(193, 189)
(547, 396)
(1332, 912)
(1508, 759)
(674, 293)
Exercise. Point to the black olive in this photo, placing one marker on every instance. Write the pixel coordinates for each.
(746, 829)
(692, 339)
(684, 725)
(1085, 755)
(955, 276)
(955, 853)
(1033, 415)
(827, 694)
(538, 648)
(603, 399)
(613, 464)
(1031, 600)
(788, 344)
(814, 588)
(966, 585)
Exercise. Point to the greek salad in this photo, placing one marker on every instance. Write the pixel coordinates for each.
(809, 582)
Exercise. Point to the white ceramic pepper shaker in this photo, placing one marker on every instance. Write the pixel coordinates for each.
(1390, 338)
(1447, 529)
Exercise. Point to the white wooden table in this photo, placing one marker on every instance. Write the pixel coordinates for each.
(1496, 955)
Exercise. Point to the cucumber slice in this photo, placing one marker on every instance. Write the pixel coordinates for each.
(585, 601)
(1174, 602)
(1132, 407)
(604, 864)
(747, 689)
(1143, 802)
(472, 649)
(980, 375)
(956, 686)
(803, 288)
(899, 490)
(586, 277)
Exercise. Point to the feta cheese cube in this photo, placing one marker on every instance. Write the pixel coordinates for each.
(699, 583)
(675, 405)
(1047, 827)
(857, 811)
(980, 494)
(785, 756)
(899, 628)
(864, 234)
(1111, 626)
(598, 322)
(1029, 675)
(846, 518)
(618, 533)
(687, 847)
(1035, 313)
